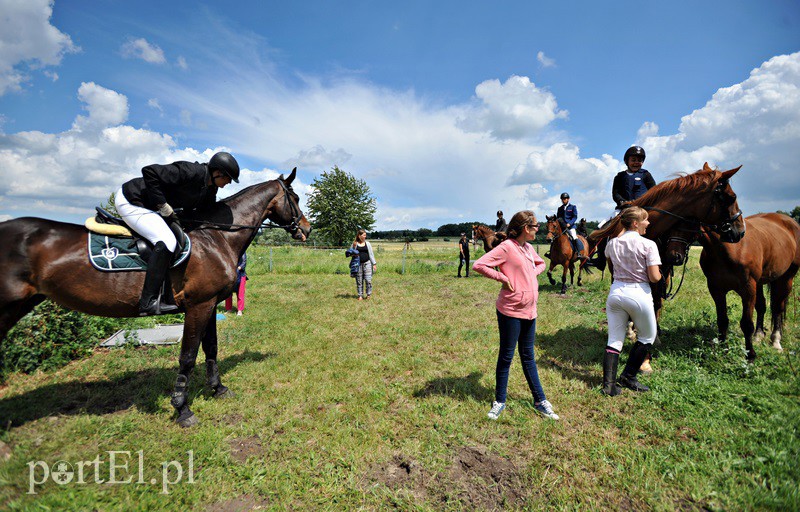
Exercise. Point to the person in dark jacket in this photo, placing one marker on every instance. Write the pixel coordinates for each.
(633, 182)
(500, 226)
(567, 215)
(147, 205)
(463, 254)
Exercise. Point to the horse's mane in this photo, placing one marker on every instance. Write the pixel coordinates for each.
(694, 181)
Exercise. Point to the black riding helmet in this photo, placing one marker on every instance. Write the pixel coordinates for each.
(564, 195)
(225, 163)
(634, 151)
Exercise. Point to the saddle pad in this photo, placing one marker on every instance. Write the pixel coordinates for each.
(119, 254)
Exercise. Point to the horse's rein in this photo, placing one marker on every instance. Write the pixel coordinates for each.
(296, 216)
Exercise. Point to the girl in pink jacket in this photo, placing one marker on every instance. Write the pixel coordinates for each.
(518, 266)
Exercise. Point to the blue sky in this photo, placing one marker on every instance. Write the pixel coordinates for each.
(449, 110)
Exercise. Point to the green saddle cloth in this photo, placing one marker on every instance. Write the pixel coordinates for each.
(120, 253)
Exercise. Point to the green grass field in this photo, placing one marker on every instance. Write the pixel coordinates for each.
(382, 404)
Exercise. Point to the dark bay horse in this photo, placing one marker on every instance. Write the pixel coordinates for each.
(561, 253)
(703, 199)
(48, 259)
(768, 255)
(491, 239)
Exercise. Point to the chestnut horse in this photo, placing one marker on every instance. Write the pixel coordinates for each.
(561, 253)
(702, 199)
(48, 259)
(769, 254)
(491, 239)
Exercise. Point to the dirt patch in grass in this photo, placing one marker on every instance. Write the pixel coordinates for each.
(230, 419)
(476, 480)
(485, 481)
(399, 473)
(245, 502)
(243, 448)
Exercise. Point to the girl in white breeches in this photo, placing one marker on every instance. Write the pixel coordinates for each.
(634, 301)
(636, 264)
(146, 222)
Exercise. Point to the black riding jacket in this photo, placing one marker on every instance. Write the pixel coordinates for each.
(181, 184)
(630, 187)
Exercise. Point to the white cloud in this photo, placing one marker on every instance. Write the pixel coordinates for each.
(755, 123)
(181, 62)
(545, 61)
(153, 103)
(141, 49)
(516, 109)
(28, 41)
(318, 158)
(105, 107)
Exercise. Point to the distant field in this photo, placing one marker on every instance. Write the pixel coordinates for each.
(376, 405)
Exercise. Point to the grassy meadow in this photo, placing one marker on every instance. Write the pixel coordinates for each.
(344, 405)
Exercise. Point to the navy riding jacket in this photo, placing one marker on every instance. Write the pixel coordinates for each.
(631, 186)
(569, 213)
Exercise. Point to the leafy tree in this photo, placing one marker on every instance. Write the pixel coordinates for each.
(795, 213)
(339, 205)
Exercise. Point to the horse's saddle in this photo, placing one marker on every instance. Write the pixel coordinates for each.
(113, 247)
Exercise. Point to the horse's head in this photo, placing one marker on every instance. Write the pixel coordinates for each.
(725, 215)
(286, 210)
(677, 242)
(553, 228)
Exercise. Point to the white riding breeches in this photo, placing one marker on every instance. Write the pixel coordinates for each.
(146, 222)
(634, 301)
(573, 235)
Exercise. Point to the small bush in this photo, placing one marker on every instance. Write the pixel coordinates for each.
(51, 336)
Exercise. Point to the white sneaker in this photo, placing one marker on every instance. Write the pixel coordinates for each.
(238, 313)
(497, 408)
(546, 409)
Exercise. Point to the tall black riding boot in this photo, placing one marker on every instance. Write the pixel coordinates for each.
(628, 378)
(157, 268)
(610, 362)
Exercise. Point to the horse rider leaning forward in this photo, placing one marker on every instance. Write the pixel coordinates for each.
(567, 216)
(147, 205)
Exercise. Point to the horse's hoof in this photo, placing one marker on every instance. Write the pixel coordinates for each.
(223, 392)
(188, 421)
(759, 335)
(646, 368)
(777, 346)
(751, 356)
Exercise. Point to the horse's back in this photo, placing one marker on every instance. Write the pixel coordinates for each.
(770, 247)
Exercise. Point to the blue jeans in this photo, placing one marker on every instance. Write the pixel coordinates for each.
(513, 331)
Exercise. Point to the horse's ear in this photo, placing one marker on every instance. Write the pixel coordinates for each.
(291, 177)
(729, 174)
(280, 177)
(706, 167)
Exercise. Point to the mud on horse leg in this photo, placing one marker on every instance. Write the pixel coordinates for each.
(210, 350)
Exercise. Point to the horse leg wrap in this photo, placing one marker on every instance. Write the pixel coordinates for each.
(212, 374)
(178, 399)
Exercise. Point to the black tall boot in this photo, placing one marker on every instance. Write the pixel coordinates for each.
(628, 378)
(157, 268)
(610, 362)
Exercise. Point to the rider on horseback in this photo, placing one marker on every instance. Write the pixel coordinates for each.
(633, 182)
(146, 205)
(567, 216)
(629, 185)
(500, 226)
